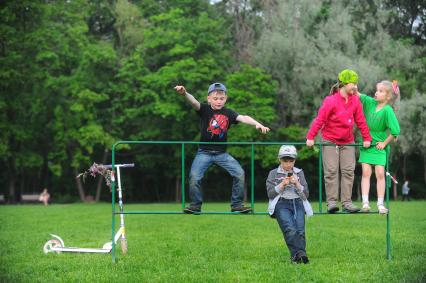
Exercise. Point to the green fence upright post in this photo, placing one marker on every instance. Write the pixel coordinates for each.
(320, 180)
(388, 239)
(252, 177)
(183, 175)
(113, 205)
(387, 185)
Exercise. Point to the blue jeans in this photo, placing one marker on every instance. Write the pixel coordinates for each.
(290, 216)
(202, 161)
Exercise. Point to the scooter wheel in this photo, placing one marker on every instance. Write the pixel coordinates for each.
(52, 244)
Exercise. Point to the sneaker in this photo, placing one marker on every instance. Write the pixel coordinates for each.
(332, 208)
(305, 259)
(365, 207)
(300, 257)
(382, 209)
(241, 209)
(192, 210)
(296, 259)
(350, 207)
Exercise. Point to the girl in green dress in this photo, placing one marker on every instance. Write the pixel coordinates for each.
(384, 127)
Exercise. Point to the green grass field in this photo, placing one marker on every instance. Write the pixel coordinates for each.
(210, 248)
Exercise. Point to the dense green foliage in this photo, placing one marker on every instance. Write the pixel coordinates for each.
(210, 248)
(76, 76)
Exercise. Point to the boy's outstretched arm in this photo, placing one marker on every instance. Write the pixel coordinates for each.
(189, 97)
(250, 121)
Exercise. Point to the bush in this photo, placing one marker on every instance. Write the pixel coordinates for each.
(417, 190)
(66, 198)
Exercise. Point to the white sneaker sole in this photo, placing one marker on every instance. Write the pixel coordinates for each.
(383, 210)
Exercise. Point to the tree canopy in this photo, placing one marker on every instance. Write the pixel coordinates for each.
(78, 75)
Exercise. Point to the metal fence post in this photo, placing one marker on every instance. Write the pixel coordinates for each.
(320, 179)
(183, 175)
(387, 185)
(113, 204)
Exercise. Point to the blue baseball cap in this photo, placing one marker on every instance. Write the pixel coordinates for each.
(216, 86)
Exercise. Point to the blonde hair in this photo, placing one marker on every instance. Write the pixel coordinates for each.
(393, 89)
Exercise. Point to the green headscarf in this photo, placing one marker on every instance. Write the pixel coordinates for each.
(348, 76)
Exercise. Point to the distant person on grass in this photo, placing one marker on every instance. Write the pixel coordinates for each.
(44, 197)
(215, 120)
(336, 118)
(405, 191)
(288, 192)
(384, 128)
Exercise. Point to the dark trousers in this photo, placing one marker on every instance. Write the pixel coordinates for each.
(290, 216)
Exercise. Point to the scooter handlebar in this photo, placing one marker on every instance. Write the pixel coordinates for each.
(120, 165)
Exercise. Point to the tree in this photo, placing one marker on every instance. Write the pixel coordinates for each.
(129, 26)
(245, 22)
(78, 75)
(412, 117)
(80, 116)
(51, 74)
(305, 45)
(24, 114)
(408, 19)
(251, 92)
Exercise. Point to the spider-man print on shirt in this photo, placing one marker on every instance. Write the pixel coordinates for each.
(218, 125)
(214, 125)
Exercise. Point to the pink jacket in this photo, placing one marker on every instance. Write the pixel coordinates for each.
(336, 120)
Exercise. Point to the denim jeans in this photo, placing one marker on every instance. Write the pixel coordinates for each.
(290, 216)
(202, 161)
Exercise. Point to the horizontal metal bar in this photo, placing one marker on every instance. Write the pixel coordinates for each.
(233, 213)
(228, 143)
(203, 212)
(344, 212)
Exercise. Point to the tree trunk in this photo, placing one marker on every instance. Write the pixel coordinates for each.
(80, 186)
(178, 194)
(404, 166)
(99, 188)
(157, 193)
(21, 189)
(101, 179)
(395, 187)
(12, 198)
(424, 167)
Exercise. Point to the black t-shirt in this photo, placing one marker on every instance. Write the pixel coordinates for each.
(214, 125)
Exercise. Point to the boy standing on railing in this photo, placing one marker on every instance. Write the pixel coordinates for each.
(215, 120)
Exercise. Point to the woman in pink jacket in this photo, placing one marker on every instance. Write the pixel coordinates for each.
(336, 118)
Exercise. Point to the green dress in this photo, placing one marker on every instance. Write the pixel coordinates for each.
(380, 123)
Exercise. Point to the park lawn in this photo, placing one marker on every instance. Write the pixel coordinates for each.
(209, 248)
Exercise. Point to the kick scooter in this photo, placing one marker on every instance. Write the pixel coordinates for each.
(57, 245)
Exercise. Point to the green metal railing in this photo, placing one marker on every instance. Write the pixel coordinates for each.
(252, 145)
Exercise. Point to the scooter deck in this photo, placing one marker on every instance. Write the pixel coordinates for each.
(80, 250)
